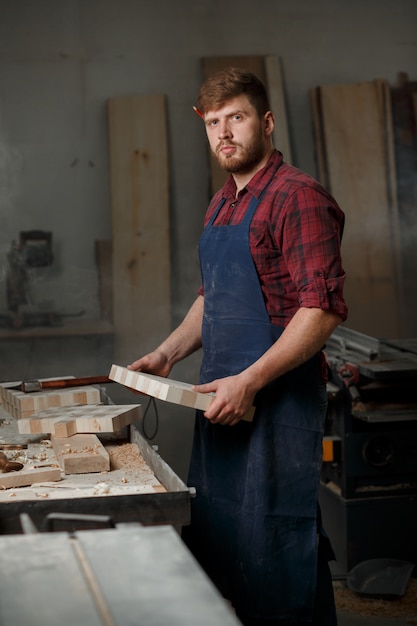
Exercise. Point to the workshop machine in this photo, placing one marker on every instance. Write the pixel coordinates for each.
(369, 486)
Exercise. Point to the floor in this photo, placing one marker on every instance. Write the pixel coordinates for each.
(368, 612)
(345, 618)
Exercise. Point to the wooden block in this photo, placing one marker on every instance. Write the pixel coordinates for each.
(165, 389)
(81, 454)
(20, 404)
(26, 477)
(89, 418)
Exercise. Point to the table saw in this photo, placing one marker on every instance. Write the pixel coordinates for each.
(97, 547)
(369, 488)
(124, 576)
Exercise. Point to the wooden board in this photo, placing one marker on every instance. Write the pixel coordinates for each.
(269, 70)
(81, 454)
(354, 132)
(165, 389)
(20, 404)
(91, 418)
(30, 476)
(140, 216)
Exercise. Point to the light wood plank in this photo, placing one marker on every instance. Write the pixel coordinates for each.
(140, 215)
(356, 161)
(81, 454)
(26, 477)
(165, 389)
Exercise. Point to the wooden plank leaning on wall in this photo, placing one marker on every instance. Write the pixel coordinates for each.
(140, 212)
(355, 158)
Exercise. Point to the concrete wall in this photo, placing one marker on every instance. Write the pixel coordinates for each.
(61, 60)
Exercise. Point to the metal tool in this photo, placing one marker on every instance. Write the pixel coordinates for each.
(30, 386)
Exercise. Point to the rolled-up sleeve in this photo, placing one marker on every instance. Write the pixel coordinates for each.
(311, 229)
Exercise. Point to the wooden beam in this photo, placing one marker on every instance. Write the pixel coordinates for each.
(140, 215)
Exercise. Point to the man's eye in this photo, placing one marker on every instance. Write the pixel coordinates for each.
(237, 117)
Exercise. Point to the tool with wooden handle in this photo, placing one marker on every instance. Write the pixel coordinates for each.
(9, 466)
(30, 386)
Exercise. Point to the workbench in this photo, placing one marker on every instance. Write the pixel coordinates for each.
(127, 576)
(122, 494)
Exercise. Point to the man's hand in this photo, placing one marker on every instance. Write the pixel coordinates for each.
(153, 363)
(233, 398)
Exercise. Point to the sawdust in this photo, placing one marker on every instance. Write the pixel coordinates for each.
(404, 607)
(126, 456)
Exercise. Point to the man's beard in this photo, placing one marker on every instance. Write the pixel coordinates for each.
(250, 156)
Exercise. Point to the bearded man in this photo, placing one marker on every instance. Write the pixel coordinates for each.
(271, 295)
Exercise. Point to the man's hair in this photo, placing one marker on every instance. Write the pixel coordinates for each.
(228, 84)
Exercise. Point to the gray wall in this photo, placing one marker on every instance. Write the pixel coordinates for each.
(60, 60)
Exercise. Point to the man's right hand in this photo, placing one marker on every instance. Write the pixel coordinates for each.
(153, 363)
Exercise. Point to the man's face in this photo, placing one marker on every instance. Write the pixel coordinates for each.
(238, 138)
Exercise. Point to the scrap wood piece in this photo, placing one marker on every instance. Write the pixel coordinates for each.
(81, 454)
(166, 389)
(91, 418)
(20, 404)
(27, 477)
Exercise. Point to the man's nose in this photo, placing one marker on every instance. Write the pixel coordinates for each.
(224, 130)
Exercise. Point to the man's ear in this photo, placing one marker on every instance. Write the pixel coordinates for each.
(269, 123)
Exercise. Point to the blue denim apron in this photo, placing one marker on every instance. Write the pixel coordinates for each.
(254, 519)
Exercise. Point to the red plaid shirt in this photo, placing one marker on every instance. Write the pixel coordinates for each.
(294, 239)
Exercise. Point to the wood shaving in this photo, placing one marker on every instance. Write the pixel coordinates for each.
(406, 606)
(101, 489)
(86, 449)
